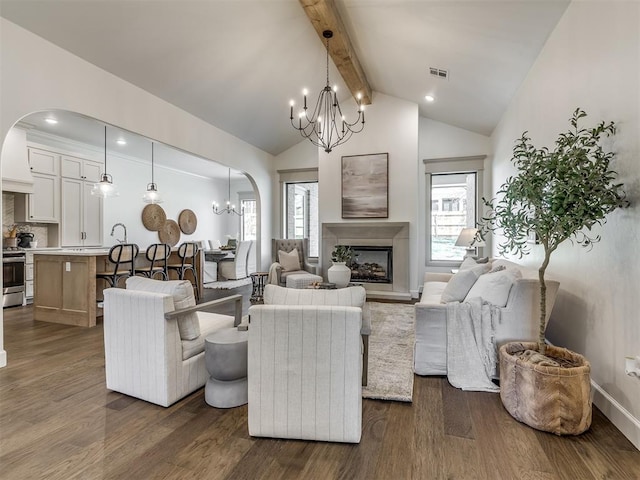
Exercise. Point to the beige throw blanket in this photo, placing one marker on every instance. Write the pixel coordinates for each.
(471, 350)
(272, 279)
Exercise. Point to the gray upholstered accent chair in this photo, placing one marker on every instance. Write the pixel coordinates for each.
(238, 267)
(288, 245)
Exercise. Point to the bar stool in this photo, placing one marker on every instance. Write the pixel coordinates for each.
(187, 252)
(123, 257)
(157, 254)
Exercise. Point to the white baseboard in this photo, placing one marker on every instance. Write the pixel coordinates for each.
(3, 358)
(617, 414)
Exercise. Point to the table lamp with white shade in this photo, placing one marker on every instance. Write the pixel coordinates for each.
(470, 241)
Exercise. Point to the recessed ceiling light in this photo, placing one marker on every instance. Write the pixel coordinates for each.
(121, 141)
(51, 121)
(429, 98)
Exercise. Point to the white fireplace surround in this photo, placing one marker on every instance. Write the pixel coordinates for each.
(377, 234)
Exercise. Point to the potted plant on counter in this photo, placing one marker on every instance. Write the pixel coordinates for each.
(556, 195)
(340, 273)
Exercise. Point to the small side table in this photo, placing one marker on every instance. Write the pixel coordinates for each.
(225, 356)
(258, 280)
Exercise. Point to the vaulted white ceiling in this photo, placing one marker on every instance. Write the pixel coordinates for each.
(237, 63)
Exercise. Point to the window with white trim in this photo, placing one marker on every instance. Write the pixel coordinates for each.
(300, 217)
(454, 192)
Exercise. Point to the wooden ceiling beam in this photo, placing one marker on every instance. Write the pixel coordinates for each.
(324, 15)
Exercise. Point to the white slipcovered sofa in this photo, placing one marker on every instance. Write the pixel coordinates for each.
(304, 372)
(154, 338)
(515, 289)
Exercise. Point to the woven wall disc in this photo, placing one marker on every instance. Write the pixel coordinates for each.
(153, 217)
(169, 233)
(187, 221)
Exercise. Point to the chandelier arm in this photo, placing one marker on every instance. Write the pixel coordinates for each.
(321, 127)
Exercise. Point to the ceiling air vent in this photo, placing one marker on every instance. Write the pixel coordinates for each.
(439, 72)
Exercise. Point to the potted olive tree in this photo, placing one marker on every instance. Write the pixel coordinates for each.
(556, 195)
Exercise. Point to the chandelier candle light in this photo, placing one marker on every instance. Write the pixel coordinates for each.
(229, 208)
(105, 187)
(327, 127)
(152, 195)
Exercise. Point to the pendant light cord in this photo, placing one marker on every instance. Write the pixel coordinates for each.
(105, 149)
(152, 180)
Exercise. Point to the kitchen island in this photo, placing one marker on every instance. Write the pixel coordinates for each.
(65, 286)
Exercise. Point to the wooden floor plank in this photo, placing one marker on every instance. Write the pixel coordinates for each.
(58, 421)
(428, 429)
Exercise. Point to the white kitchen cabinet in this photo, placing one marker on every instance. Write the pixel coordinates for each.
(81, 223)
(92, 217)
(43, 205)
(81, 169)
(45, 199)
(42, 161)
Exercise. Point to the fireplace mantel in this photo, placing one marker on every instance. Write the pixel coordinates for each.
(395, 234)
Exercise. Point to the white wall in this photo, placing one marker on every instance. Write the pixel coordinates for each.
(435, 140)
(37, 75)
(302, 155)
(592, 61)
(391, 127)
(439, 140)
(179, 190)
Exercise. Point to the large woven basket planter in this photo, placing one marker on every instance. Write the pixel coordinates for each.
(551, 399)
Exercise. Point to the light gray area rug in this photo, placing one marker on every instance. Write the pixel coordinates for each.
(390, 352)
(227, 284)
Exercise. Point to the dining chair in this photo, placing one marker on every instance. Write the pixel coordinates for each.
(123, 259)
(187, 252)
(157, 255)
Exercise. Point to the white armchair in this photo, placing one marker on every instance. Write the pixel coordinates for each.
(355, 296)
(154, 338)
(304, 372)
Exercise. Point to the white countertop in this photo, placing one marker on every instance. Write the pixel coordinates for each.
(80, 252)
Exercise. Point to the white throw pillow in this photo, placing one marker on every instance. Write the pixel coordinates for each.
(182, 293)
(460, 284)
(290, 261)
(468, 263)
(495, 287)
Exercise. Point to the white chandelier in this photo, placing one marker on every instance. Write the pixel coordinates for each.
(327, 126)
(229, 208)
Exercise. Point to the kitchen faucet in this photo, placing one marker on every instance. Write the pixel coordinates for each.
(125, 231)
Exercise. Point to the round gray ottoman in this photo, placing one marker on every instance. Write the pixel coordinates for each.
(225, 354)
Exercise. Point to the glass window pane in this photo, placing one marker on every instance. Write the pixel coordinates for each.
(249, 220)
(302, 213)
(453, 207)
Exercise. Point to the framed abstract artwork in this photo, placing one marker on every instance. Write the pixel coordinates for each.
(365, 186)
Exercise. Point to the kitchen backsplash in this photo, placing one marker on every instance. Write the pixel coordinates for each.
(40, 232)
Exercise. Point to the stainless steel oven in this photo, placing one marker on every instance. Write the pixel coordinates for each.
(12, 278)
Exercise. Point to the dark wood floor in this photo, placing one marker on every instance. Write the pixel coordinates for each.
(58, 421)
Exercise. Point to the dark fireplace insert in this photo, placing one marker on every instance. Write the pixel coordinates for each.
(372, 264)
